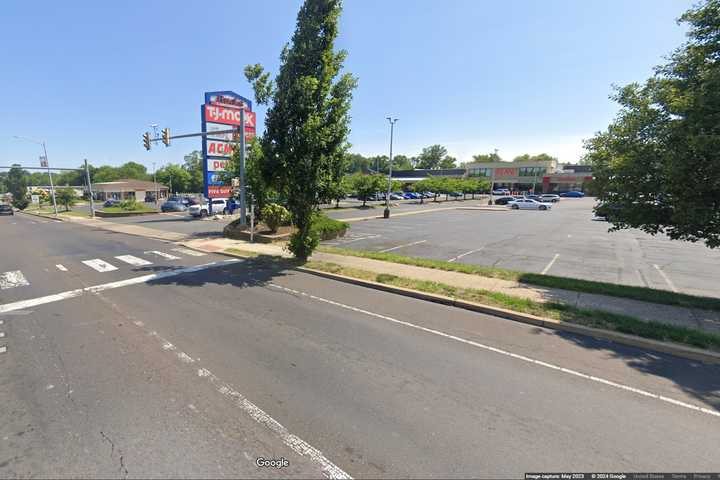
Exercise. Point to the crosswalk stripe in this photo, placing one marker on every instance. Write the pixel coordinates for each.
(12, 279)
(99, 265)
(138, 262)
(61, 268)
(187, 251)
(163, 254)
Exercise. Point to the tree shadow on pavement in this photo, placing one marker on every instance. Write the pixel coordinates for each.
(251, 272)
(699, 380)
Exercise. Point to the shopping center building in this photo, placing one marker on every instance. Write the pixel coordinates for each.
(546, 176)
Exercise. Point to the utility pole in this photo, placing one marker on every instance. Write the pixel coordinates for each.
(243, 217)
(156, 187)
(90, 193)
(386, 213)
(52, 187)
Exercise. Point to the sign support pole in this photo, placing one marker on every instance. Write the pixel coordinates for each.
(90, 192)
(52, 187)
(243, 219)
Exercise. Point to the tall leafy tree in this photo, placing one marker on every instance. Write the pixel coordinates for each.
(447, 162)
(66, 197)
(658, 163)
(193, 165)
(307, 121)
(175, 177)
(17, 185)
(487, 157)
(431, 156)
(542, 157)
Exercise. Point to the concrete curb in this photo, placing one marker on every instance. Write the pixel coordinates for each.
(621, 338)
(42, 215)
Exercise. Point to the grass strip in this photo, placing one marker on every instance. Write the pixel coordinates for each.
(644, 294)
(122, 210)
(553, 310)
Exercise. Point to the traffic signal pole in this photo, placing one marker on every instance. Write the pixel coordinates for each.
(243, 218)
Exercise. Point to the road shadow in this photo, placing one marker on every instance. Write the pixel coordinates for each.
(251, 272)
(699, 380)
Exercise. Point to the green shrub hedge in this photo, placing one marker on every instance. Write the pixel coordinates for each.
(327, 228)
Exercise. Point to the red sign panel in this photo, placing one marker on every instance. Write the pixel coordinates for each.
(506, 172)
(228, 116)
(219, 191)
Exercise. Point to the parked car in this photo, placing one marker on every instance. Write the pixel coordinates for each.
(219, 205)
(6, 209)
(410, 196)
(534, 197)
(396, 196)
(111, 202)
(504, 200)
(605, 211)
(455, 194)
(549, 197)
(528, 204)
(174, 204)
(572, 194)
(501, 191)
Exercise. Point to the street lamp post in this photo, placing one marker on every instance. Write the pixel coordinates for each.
(47, 164)
(386, 213)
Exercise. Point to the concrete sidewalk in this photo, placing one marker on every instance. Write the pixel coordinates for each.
(698, 319)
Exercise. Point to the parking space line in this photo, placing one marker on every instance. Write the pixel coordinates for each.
(61, 267)
(187, 251)
(454, 259)
(666, 278)
(403, 246)
(549, 265)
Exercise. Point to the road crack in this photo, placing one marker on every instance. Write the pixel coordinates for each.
(123, 470)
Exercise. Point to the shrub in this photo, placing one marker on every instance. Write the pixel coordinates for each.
(327, 228)
(21, 203)
(130, 205)
(274, 215)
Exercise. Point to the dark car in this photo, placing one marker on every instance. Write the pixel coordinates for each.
(174, 204)
(6, 210)
(504, 200)
(572, 194)
(111, 202)
(606, 211)
(534, 197)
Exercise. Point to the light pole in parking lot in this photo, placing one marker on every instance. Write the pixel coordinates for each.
(386, 213)
(43, 163)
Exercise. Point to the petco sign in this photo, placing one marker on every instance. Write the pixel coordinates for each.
(222, 111)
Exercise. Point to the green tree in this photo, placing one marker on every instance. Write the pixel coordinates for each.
(487, 157)
(447, 162)
(431, 156)
(133, 170)
(366, 185)
(543, 157)
(66, 197)
(356, 163)
(401, 162)
(193, 165)
(307, 121)
(658, 163)
(17, 179)
(106, 173)
(175, 177)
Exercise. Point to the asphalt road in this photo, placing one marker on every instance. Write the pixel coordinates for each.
(178, 222)
(565, 241)
(198, 372)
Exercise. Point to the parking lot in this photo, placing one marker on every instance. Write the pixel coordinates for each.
(565, 241)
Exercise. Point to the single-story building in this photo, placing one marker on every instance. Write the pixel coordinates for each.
(125, 189)
(547, 176)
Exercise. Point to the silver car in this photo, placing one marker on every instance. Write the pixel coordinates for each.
(529, 204)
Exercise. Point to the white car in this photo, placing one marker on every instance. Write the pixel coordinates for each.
(528, 204)
(550, 197)
(501, 191)
(219, 205)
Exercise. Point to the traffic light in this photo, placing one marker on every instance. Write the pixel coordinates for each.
(146, 140)
(166, 136)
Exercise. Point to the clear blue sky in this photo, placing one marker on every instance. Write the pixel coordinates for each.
(518, 75)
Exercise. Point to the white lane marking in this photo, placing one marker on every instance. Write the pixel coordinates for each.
(99, 265)
(12, 279)
(3, 349)
(187, 251)
(163, 255)
(403, 246)
(345, 242)
(138, 262)
(666, 278)
(33, 302)
(454, 259)
(2, 334)
(549, 265)
(500, 351)
(61, 267)
(298, 445)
